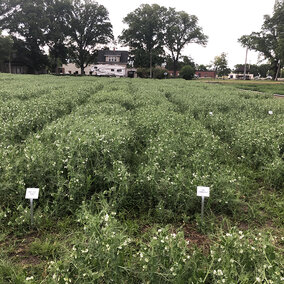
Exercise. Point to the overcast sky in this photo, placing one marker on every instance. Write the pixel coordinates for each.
(223, 21)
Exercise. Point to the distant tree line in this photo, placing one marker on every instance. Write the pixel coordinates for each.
(47, 33)
(68, 29)
(262, 70)
(50, 32)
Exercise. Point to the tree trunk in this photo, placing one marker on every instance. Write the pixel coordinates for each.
(56, 65)
(175, 68)
(10, 67)
(82, 70)
(151, 63)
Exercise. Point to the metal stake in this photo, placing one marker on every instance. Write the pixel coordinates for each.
(202, 208)
(32, 212)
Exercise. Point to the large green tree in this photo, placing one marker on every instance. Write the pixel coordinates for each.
(89, 25)
(145, 31)
(180, 30)
(58, 15)
(6, 45)
(36, 24)
(270, 40)
(6, 49)
(26, 22)
(183, 61)
(140, 57)
(220, 64)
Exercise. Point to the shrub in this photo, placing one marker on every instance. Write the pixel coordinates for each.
(159, 73)
(143, 72)
(187, 72)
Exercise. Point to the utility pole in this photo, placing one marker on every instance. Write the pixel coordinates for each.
(245, 68)
(278, 70)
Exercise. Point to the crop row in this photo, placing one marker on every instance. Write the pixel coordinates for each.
(146, 145)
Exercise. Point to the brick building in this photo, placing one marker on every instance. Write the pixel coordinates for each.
(206, 74)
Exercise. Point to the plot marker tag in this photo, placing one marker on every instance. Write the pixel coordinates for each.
(31, 194)
(203, 191)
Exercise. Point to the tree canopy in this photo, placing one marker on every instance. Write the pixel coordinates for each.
(66, 27)
(220, 64)
(180, 30)
(26, 23)
(269, 42)
(73, 29)
(89, 25)
(145, 30)
(156, 30)
(6, 44)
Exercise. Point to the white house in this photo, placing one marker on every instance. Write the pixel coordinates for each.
(109, 70)
(240, 76)
(109, 63)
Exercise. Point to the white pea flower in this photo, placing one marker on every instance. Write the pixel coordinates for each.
(106, 217)
(220, 272)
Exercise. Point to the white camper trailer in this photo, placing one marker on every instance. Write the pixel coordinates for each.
(109, 70)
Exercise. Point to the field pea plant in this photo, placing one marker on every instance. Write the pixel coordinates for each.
(117, 162)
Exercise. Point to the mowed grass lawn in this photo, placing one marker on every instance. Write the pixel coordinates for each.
(117, 163)
(263, 86)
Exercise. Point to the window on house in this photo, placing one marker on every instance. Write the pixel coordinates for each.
(119, 70)
(112, 70)
(112, 59)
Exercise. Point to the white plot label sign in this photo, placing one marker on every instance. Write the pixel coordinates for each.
(32, 193)
(203, 191)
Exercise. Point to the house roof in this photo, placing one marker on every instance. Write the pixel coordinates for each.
(210, 71)
(121, 53)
